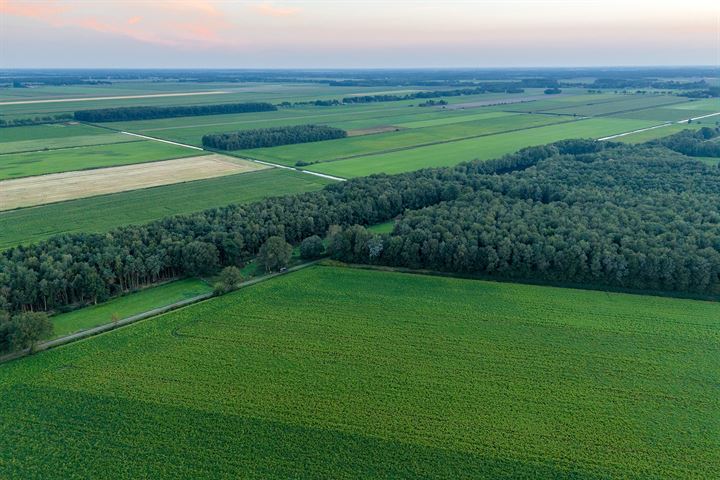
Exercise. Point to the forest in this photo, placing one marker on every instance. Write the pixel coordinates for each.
(596, 213)
(630, 217)
(698, 143)
(271, 137)
(151, 112)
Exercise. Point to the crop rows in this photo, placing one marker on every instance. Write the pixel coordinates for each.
(347, 373)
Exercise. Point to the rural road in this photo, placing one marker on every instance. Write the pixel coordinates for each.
(659, 126)
(56, 342)
(308, 172)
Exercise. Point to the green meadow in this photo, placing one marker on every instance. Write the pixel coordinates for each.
(128, 305)
(16, 165)
(104, 212)
(492, 146)
(342, 373)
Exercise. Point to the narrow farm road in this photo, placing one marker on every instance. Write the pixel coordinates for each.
(659, 126)
(141, 316)
(308, 172)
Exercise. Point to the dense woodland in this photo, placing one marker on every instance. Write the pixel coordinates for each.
(580, 211)
(37, 120)
(152, 112)
(271, 137)
(630, 217)
(700, 143)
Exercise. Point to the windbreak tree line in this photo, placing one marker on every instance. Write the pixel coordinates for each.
(486, 88)
(700, 143)
(271, 137)
(73, 270)
(151, 112)
(582, 211)
(628, 217)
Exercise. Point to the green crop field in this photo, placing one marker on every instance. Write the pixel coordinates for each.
(48, 132)
(632, 102)
(342, 373)
(659, 132)
(370, 144)
(65, 142)
(452, 153)
(128, 305)
(16, 165)
(101, 213)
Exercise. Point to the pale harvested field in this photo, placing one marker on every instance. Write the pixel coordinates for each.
(30, 191)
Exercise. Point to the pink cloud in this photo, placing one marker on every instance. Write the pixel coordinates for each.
(44, 10)
(270, 10)
(134, 20)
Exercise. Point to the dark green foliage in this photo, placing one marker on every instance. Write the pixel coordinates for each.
(485, 88)
(152, 112)
(631, 217)
(229, 279)
(21, 122)
(552, 91)
(312, 247)
(271, 137)
(23, 330)
(638, 204)
(274, 254)
(693, 143)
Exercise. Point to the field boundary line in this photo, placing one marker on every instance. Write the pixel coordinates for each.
(121, 97)
(163, 141)
(699, 118)
(635, 131)
(91, 332)
(441, 142)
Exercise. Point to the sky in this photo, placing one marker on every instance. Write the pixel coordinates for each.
(357, 34)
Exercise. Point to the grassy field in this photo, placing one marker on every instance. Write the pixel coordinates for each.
(66, 142)
(452, 153)
(128, 305)
(377, 143)
(60, 187)
(16, 165)
(99, 214)
(352, 374)
(54, 131)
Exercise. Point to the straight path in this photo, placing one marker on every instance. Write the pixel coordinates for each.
(142, 316)
(269, 164)
(659, 126)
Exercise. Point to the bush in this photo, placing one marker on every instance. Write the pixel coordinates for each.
(275, 254)
(230, 279)
(312, 247)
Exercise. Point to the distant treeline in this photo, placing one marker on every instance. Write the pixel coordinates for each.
(710, 92)
(692, 143)
(271, 137)
(595, 213)
(151, 112)
(22, 122)
(623, 83)
(486, 88)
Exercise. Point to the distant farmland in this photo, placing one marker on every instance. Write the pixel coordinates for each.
(27, 192)
(101, 213)
(16, 165)
(350, 373)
